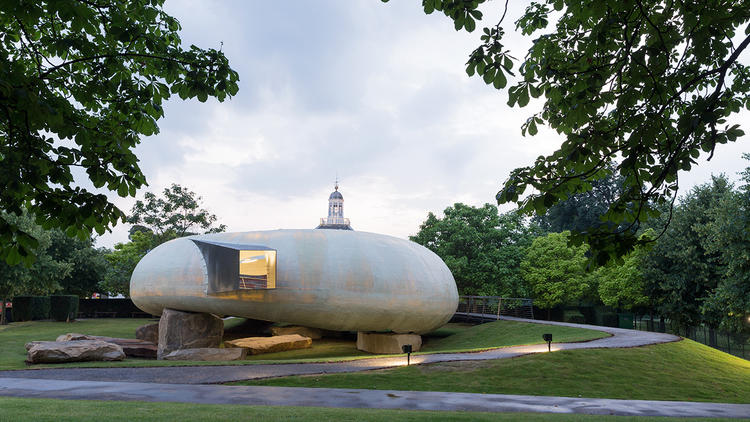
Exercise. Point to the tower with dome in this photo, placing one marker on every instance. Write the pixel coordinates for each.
(335, 219)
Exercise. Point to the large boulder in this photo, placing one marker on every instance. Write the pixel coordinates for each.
(73, 351)
(387, 343)
(258, 345)
(31, 344)
(206, 353)
(134, 348)
(148, 332)
(313, 333)
(188, 330)
(74, 337)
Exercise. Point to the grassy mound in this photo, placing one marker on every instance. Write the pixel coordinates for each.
(683, 370)
(464, 337)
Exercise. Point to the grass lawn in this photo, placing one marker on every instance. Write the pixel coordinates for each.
(465, 337)
(83, 410)
(683, 370)
(14, 336)
(451, 338)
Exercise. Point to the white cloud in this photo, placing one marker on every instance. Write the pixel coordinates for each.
(376, 93)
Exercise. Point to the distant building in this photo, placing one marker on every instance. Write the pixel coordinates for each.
(335, 219)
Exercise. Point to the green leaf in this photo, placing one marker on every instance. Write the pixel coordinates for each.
(523, 97)
(500, 81)
(532, 128)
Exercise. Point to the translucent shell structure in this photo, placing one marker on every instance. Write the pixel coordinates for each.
(332, 279)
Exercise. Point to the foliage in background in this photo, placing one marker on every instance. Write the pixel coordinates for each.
(42, 277)
(556, 271)
(88, 264)
(621, 285)
(173, 215)
(728, 235)
(122, 262)
(644, 86)
(680, 272)
(482, 249)
(581, 211)
(80, 83)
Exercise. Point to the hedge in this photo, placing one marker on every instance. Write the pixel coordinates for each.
(63, 307)
(122, 308)
(26, 308)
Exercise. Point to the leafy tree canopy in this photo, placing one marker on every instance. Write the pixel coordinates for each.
(581, 212)
(80, 83)
(88, 264)
(681, 270)
(647, 86)
(482, 249)
(622, 285)
(122, 262)
(556, 271)
(727, 235)
(173, 215)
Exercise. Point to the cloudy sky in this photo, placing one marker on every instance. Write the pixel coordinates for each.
(374, 93)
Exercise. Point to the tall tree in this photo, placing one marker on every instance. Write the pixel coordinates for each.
(80, 83)
(581, 211)
(482, 249)
(173, 215)
(88, 265)
(728, 235)
(122, 262)
(621, 285)
(556, 271)
(681, 272)
(644, 85)
(40, 278)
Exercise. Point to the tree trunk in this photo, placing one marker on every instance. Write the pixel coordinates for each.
(2, 312)
(651, 321)
(549, 314)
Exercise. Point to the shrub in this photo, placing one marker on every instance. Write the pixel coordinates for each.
(63, 307)
(26, 308)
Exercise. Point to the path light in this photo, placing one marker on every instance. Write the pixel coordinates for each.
(406, 348)
(548, 339)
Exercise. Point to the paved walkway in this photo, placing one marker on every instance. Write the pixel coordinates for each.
(351, 398)
(183, 384)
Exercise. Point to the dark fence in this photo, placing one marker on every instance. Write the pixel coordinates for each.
(489, 307)
(109, 308)
(733, 344)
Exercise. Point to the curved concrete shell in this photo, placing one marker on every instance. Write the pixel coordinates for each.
(330, 279)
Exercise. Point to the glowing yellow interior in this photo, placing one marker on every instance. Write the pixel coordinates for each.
(258, 266)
